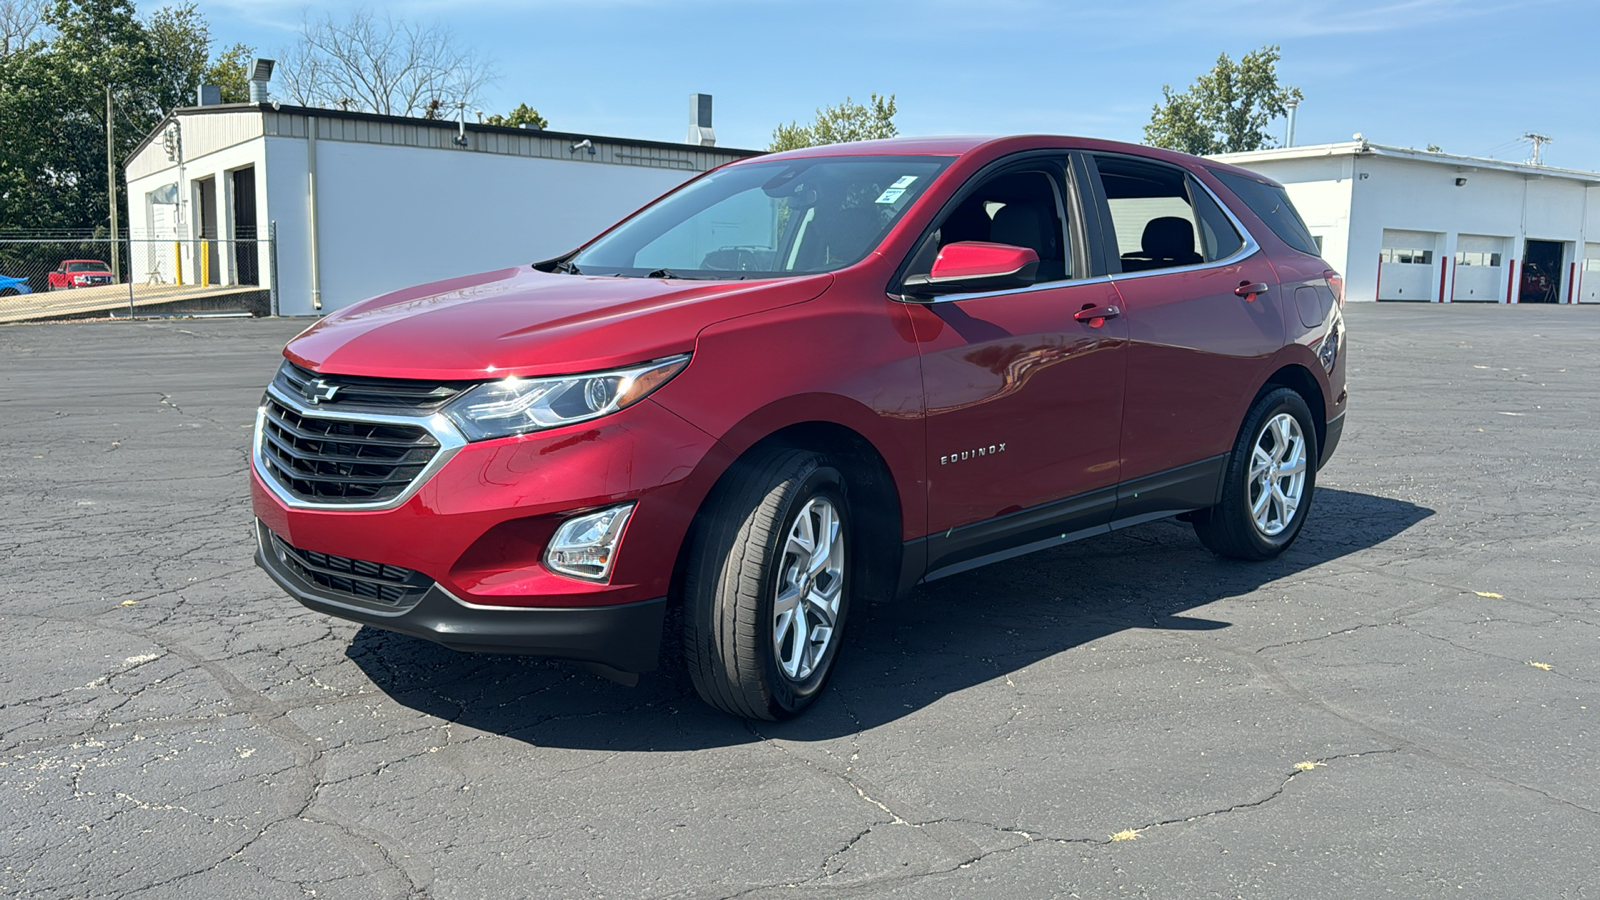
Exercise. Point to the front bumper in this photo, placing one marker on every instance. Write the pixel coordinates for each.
(625, 637)
(472, 531)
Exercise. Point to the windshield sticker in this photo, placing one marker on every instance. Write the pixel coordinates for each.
(891, 195)
(904, 182)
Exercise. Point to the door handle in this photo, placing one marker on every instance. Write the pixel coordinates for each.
(1096, 315)
(1249, 291)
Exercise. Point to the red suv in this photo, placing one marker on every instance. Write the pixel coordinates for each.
(798, 383)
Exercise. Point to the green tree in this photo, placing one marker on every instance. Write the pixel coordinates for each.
(1226, 110)
(522, 115)
(849, 121)
(230, 71)
(53, 101)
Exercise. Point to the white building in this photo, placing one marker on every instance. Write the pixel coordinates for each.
(364, 204)
(1412, 225)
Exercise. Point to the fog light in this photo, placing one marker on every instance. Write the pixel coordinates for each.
(584, 546)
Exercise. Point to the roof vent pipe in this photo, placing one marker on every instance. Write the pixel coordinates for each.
(260, 74)
(700, 133)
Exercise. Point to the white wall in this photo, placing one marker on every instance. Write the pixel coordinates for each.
(389, 217)
(154, 228)
(1396, 194)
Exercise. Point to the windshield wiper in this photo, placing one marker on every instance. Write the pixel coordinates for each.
(664, 273)
(565, 267)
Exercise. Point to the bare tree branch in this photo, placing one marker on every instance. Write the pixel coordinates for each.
(380, 64)
(20, 22)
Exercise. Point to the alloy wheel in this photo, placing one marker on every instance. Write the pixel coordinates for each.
(1277, 474)
(809, 590)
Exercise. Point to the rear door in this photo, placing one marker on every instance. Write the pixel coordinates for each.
(1024, 401)
(1204, 316)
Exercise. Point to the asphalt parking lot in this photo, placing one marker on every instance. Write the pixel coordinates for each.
(1404, 704)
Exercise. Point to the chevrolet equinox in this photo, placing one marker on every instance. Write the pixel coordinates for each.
(798, 383)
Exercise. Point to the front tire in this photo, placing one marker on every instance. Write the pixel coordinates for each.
(767, 585)
(1269, 482)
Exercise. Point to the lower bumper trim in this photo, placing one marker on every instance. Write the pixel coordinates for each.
(625, 637)
(1331, 441)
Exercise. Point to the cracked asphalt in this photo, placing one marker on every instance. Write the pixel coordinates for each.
(1404, 704)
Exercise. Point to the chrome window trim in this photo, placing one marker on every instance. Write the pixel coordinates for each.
(1032, 288)
(1246, 250)
(438, 425)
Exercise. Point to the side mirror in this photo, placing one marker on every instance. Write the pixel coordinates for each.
(968, 266)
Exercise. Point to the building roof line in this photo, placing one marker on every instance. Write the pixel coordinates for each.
(1368, 148)
(284, 109)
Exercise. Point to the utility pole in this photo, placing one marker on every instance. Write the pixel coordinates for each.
(1539, 141)
(111, 189)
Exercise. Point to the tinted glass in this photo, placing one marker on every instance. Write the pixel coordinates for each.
(1271, 203)
(765, 219)
(1154, 225)
(1218, 238)
(1022, 209)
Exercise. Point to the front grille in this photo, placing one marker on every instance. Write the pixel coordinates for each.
(335, 461)
(342, 391)
(357, 578)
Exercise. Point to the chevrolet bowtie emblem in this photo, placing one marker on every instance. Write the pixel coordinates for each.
(318, 390)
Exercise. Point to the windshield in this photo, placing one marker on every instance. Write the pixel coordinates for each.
(764, 219)
(88, 267)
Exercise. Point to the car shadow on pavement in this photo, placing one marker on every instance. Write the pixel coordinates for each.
(899, 657)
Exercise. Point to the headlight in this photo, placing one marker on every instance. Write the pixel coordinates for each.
(520, 405)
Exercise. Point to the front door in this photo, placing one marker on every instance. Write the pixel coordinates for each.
(1023, 400)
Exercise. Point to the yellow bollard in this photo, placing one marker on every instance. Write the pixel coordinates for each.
(205, 263)
(177, 261)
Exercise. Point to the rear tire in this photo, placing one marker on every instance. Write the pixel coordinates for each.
(1269, 482)
(767, 585)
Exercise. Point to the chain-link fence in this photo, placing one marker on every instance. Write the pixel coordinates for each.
(47, 277)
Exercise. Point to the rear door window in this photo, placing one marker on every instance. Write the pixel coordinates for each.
(1270, 203)
(1161, 217)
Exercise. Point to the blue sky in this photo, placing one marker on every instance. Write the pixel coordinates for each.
(1469, 75)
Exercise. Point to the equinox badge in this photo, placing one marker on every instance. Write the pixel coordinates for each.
(965, 455)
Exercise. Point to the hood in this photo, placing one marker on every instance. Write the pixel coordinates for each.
(526, 322)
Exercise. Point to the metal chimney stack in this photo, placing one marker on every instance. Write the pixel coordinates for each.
(260, 74)
(700, 133)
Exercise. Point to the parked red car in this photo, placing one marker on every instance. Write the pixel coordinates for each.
(77, 273)
(802, 382)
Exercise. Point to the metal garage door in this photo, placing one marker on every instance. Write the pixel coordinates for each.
(1407, 268)
(1480, 270)
(1589, 275)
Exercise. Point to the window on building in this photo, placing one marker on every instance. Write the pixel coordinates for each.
(1477, 258)
(1407, 256)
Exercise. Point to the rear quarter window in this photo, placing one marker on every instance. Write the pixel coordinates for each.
(1271, 204)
